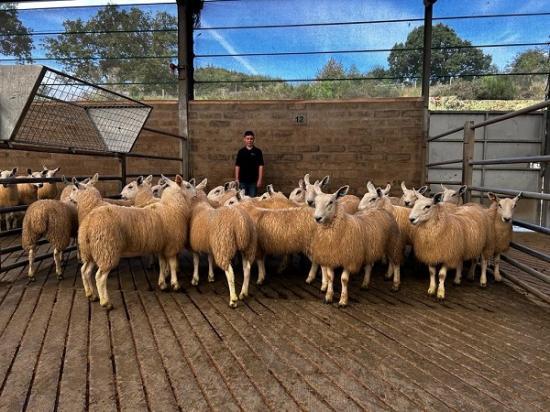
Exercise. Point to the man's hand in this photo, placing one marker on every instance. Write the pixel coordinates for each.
(259, 184)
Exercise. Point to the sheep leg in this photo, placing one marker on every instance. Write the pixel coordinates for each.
(458, 275)
(57, 257)
(496, 273)
(330, 291)
(431, 289)
(323, 279)
(483, 280)
(31, 265)
(211, 268)
(231, 283)
(396, 278)
(195, 279)
(344, 295)
(441, 286)
(101, 282)
(389, 272)
(86, 274)
(162, 271)
(173, 261)
(246, 278)
(312, 272)
(366, 278)
(472, 270)
(261, 271)
(283, 264)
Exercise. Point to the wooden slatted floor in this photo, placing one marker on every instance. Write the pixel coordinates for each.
(282, 349)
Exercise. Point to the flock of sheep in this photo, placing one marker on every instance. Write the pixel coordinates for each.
(334, 230)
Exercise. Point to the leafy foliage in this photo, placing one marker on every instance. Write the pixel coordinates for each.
(456, 58)
(15, 39)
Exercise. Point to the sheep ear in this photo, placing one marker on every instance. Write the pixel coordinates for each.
(370, 187)
(86, 181)
(29, 171)
(492, 197)
(57, 169)
(148, 179)
(422, 190)
(403, 187)
(517, 197)
(301, 184)
(202, 184)
(270, 190)
(324, 181)
(74, 181)
(438, 198)
(306, 179)
(139, 180)
(192, 181)
(239, 195)
(44, 168)
(65, 181)
(94, 179)
(462, 190)
(13, 171)
(178, 180)
(387, 189)
(44, 172)
(443, 187)
(342, 191)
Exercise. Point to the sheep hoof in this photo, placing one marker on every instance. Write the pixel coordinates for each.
(163, 287)
(60, 277)
(388, 277)
(431, 292)
(194, 282)
(309, 280)
(498, 279)
(342, 304)
(243, 295)
(328, 300)
(483, 285)
(93, 298)
(32, 278)
(323, 288)
(364, 287)
(176, 287)
(108, 306)
(211, 279)
(233, 304)
(260, 282)
(457, 282)
(395, 288)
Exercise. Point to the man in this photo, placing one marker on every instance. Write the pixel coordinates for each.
(249, 166)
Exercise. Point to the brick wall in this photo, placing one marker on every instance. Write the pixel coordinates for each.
(352, 141)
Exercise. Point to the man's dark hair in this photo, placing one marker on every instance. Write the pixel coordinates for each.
(249, 133)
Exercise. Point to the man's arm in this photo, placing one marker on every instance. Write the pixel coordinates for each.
(237, 172)
(260, 176)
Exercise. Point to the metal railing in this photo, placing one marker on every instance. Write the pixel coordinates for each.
(468, 163)
(121, 178)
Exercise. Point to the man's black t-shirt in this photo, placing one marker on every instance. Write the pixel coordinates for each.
(249, 161)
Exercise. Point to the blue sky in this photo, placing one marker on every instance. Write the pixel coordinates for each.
(371, 36)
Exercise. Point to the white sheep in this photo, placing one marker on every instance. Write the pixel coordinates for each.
(108, 233)
(298, 194)
(48, 190)
(504, 211)
(57, 221)
(349, 203)
(8, 197)
(409, 195)
(447, 235)
(452, 195)
(350, 241)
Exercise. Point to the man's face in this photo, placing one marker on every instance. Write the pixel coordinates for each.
(249, 141)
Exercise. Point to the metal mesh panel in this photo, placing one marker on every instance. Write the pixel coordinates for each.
(67, 112)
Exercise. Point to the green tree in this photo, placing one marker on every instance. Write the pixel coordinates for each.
(125, 56)
(456, 58)
(529, 61)
(15, 38)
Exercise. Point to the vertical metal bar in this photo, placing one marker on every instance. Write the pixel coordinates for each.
(467, 156)
(426, 72)
(185, 76)
(122, 159)
(546, 167)
(484, 154)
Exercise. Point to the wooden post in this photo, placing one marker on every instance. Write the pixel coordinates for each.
(467, 157)
(185, 78)
(122, 159)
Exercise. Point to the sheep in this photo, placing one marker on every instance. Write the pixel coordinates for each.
(48, 190)
(270, 193)
(139, 192)
(453, 196)
(158, 188)
(108, 233)
(502, 223)
(57, 221)
(448, 236)
(298, 194)
(218, 192)
(349, 241)
(221, 232)
(8, 197)
(409, 195)
(28, 192)
(349, 203)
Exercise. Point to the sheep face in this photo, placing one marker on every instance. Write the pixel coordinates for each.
(312, 190)
(451, 195)
(369, 199)
(506, 206)
(409, 195)
(298, 195)
(325, 205)
(131, 190)
(158, 188)
(216, 193)
(423, 208)
(5, 174)
(36, 175)
(49, 172)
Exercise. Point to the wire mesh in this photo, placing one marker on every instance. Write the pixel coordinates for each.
(67, 112)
